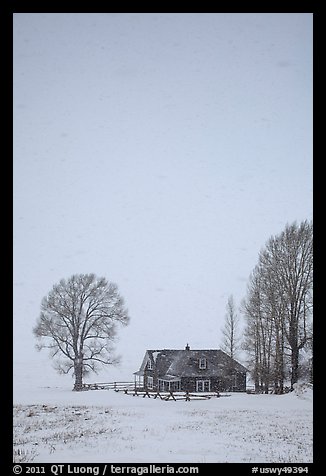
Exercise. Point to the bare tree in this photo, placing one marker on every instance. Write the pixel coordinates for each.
(230, 331)
(258, 332)
(278, 307)
(78, 322)
(289, 258)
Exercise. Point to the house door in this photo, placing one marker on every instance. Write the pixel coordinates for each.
(203, 386)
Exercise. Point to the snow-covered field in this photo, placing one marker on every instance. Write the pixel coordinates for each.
(55, 424)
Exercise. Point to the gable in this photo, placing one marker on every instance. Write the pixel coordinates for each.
(145, 361)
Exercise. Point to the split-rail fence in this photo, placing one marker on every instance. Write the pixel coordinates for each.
(130, 388)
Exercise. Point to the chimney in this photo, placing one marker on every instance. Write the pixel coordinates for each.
(187, 347)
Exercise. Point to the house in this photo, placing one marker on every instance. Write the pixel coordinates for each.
(190, 370)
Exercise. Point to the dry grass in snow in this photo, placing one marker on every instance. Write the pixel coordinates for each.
(105, 426)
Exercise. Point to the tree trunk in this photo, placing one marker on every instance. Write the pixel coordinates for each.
(78, 375)
(311, 371)
(279, 359)
(295, 366)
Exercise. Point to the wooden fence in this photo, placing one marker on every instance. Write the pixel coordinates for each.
(187, 396)
(118, 386)
(130, 388)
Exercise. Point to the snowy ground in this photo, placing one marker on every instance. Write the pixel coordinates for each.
(54, 424)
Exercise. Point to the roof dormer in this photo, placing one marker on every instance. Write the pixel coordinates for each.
(203, 363)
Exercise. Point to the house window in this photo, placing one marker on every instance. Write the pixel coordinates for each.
(149, 365)
(149, 382)
(169, 386)
(202, 363)
(203, 386)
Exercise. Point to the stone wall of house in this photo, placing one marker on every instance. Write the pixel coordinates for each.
(233, 383)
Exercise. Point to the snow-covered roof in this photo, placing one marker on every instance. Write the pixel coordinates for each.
(184, 363)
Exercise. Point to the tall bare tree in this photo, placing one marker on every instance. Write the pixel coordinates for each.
(263, 340)
(230, 331)
(78, 323)
(258, 332)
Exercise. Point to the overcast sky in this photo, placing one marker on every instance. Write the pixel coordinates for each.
(160, 151)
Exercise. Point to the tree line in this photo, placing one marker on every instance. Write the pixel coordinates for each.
(278, 311)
